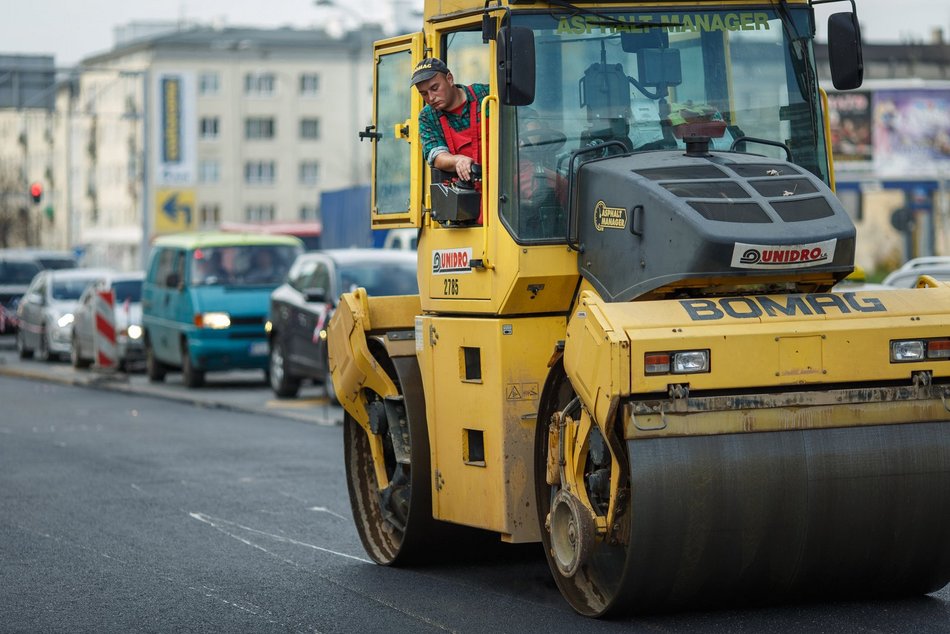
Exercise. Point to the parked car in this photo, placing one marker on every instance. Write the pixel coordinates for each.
(17, 270)
(46, 311)
(127, 312)
(858, 281)
(205, 300)
(907, 277)
(301, 307)
(50, 259)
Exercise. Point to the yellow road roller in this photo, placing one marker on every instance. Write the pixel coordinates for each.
(626, 344)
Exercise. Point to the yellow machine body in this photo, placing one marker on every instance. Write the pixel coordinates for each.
(523, 391)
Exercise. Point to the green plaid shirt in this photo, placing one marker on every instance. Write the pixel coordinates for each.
(430, 130)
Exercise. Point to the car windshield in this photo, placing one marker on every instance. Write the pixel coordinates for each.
(379, 279)
(69, 289)
(17, 273)
(242, 265)
(741, 75)
(55, 262)
(128, 290)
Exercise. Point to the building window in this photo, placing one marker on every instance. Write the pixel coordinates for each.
(309, 172)
(259, 213)
(260, 84)
(259, 128)
(208, 84)
(309, 85)
(309, 212)
(209, 171)
(259, 172)
(209, 128)
(310, 128)
(209, 214)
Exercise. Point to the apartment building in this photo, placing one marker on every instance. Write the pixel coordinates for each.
(191, 128)
(28, 121)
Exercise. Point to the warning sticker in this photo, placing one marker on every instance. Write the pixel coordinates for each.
(521, 391)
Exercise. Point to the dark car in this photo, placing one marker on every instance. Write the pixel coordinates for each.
(301, 308)
(17, 270)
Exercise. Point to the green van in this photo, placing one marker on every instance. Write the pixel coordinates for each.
(205, 301)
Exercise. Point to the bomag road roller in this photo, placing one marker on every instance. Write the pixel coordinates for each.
(626, 344)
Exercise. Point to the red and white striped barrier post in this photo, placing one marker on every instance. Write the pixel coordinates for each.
(104, 339)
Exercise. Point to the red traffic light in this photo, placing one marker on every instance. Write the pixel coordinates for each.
(36, 192)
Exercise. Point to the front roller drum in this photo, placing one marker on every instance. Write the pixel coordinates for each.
(811, 514)
(752, 518)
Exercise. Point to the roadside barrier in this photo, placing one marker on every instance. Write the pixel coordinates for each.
(104, 340)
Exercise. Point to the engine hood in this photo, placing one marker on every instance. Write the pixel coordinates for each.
(662, 223)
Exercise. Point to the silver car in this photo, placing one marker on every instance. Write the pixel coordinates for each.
(907, 276)
(46, 310)
(130, 350)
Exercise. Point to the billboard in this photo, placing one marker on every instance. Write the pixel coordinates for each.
(896, 132)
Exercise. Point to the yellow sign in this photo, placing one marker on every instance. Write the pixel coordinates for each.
(174, 210)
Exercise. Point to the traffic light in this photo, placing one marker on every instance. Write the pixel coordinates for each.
(36, 192)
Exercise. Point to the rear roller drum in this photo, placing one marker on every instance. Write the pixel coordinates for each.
(392, 504)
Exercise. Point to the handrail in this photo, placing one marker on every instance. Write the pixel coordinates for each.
(488, 175)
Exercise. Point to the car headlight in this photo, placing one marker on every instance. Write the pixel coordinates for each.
(134, 331)
(214, 321)
(65, 320)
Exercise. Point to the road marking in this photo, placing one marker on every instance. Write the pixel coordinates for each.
(323, 509)
(215, 521)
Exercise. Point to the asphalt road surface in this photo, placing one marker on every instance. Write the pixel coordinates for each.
(122, 512)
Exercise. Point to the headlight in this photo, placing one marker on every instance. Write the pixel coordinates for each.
(676, 362)
(65, 320)
(903, 350)
(134, 331)
(215, 321)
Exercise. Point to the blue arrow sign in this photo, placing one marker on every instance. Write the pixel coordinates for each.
(172, 208)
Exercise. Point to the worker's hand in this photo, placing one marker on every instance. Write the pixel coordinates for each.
(463, 167)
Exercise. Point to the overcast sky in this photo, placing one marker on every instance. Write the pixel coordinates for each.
(74, 29)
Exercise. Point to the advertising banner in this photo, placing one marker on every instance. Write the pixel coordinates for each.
(911, 132)
(176, 129)
(850, 117)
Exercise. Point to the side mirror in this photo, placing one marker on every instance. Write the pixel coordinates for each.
(515, 67)
(313, 295)
(844, 51)
(171, 280)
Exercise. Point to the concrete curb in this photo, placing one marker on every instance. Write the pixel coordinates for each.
(119, 382)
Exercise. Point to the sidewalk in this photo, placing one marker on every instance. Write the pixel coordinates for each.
(243, 391)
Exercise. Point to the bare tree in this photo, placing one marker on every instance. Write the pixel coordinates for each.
(17, 224)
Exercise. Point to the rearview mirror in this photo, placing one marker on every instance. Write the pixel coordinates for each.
(313, 295)
(515, 66)
(844, 51)
(659, 67)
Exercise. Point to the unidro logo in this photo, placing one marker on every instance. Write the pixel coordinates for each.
(789, 256)
(451, 261)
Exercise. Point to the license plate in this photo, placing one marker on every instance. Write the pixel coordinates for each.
(258, 349)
